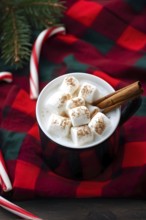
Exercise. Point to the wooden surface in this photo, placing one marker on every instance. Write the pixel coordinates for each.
(82, 209)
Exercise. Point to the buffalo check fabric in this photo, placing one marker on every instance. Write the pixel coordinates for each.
(104, 38)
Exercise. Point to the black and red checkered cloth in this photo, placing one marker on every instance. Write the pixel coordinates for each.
(104, 38)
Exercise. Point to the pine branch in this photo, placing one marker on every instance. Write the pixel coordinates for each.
(42, 14)
(17, 19)
(15, 39)
(45, 3)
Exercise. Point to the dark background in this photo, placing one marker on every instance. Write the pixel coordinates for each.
(82, 209)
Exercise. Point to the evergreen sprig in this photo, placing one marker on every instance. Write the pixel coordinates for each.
(18, 19)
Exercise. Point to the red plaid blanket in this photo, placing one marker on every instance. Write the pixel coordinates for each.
(104, 38)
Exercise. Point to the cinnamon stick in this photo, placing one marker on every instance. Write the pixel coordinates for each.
(109, 95)
(120, 96)
(112, 107)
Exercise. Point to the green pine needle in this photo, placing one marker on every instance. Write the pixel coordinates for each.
(18, 18)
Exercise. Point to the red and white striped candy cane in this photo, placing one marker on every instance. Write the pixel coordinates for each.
(17, 210)
(4, 178)
(6, 186)
(34, 60)
(6, 76)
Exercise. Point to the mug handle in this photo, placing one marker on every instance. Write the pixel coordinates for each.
(129, 110)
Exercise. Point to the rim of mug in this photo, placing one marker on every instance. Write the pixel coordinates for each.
(88, 145)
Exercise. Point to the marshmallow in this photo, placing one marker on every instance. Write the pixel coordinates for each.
(92, 109)
(99, 123)
(70, 84)
(59, 126)
(89, 92)
(81, 135)
(79, 115)
(74, 102)
(58, 102)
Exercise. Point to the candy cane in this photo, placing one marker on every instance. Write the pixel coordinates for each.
(6, 186)
(4, 178)
(15, 209)
(34, 60)
(6, 76)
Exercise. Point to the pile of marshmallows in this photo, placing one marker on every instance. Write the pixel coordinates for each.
(73, 115)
